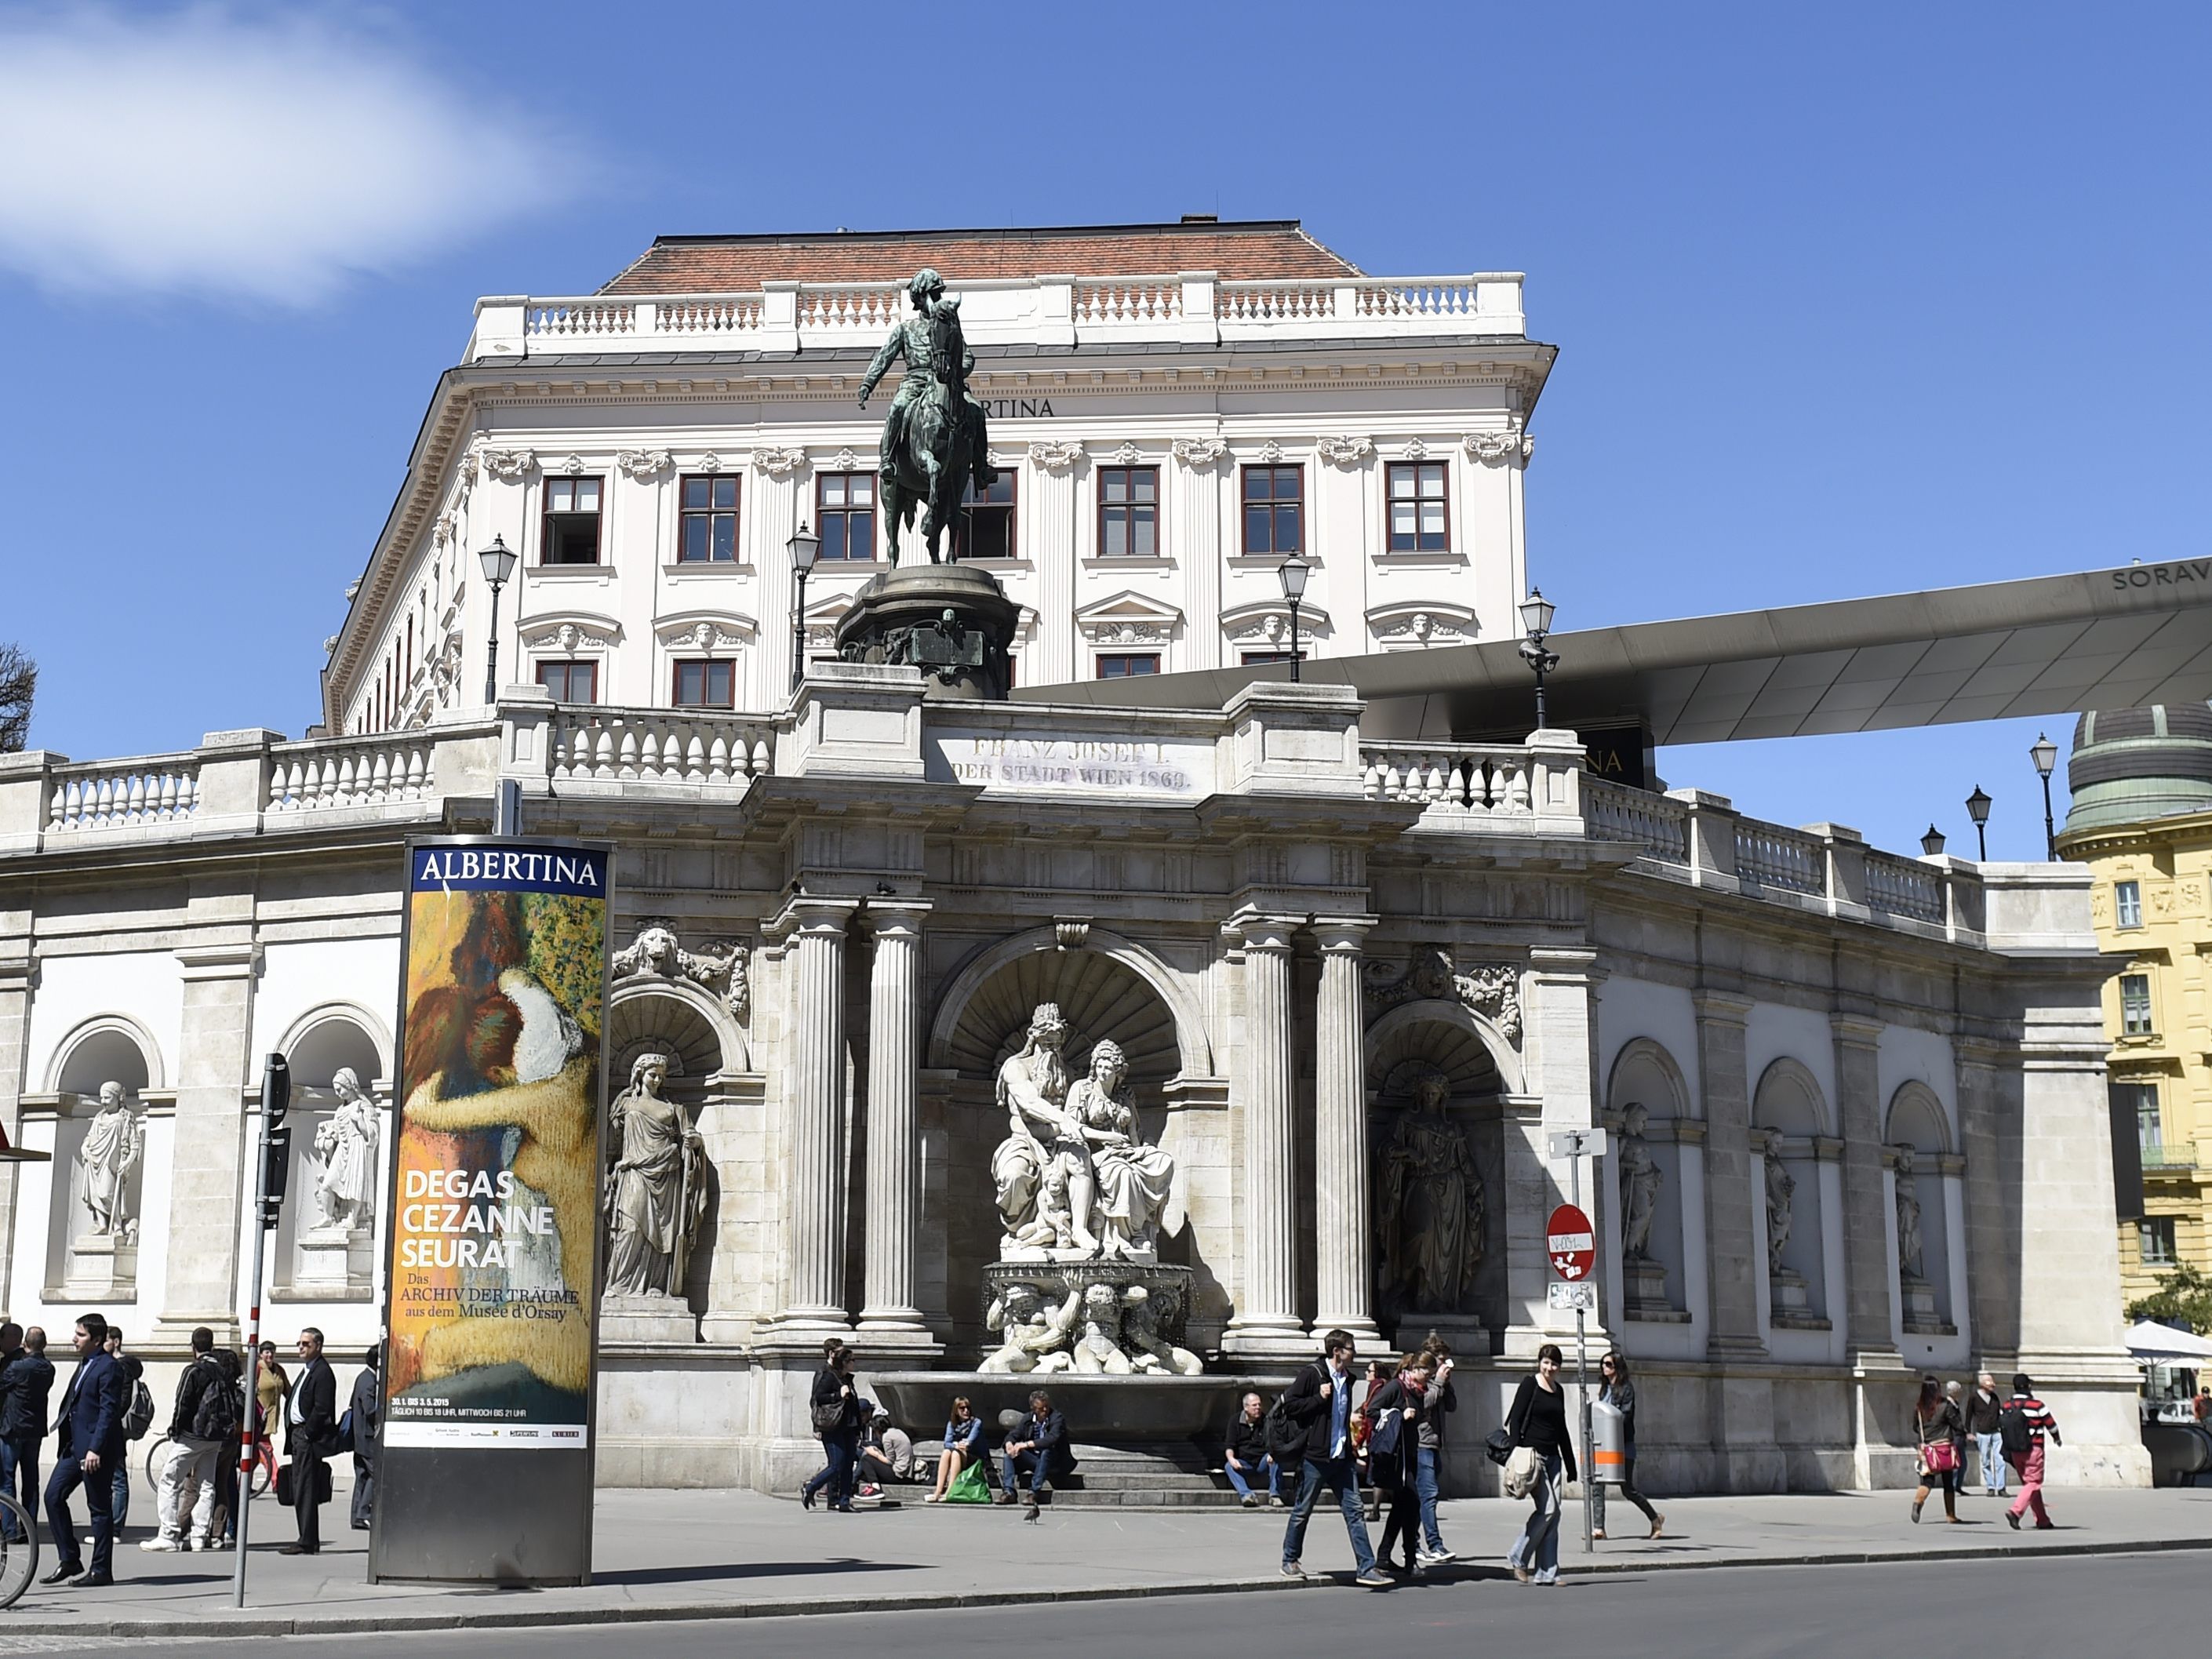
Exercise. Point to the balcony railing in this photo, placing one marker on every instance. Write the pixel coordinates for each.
(1180, 309)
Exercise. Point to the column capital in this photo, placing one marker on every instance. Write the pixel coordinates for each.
(1343, 935)
(231, 961)
(1263, 932)
(804, 912)
(1564, 964)
(1855, 1030)
(899, 915)
(1721, 1007)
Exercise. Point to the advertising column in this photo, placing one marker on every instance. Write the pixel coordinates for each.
(485, 1445)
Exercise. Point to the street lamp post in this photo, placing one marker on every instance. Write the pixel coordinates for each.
(498, 562)
(802, 547)
(1932, 842)
(1536, 614)
(1293, 572)
(2045, 754)
(1978, 808)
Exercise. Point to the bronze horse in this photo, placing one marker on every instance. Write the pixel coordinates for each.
(934, 462)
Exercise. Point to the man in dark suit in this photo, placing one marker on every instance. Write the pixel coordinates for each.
(310, 1438)
(361, 1413)
(25, 1379)
(1037, 1448)
(91, 1450)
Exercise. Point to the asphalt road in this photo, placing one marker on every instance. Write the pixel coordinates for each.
(2151, 1604)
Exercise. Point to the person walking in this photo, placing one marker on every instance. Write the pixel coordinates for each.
(1430, 1453)
(2027, 1421)
(186, 1505)
(1244, 1455)
(1538, 1422)
(1320, 1400)
(27, 1382)
(272, 1389)
(363, 1406)
(1393, 1445)
(838, 1413)
(91, 1430)
(1985, 1422)
(137, 1418)
(1614, 1389)
(963, 1444)
(226, 1466)
(1037, 1448)
(311, 1435)
(1939, 1429)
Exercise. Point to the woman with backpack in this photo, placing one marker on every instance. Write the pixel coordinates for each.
(1395, 1413)
(1939, 1428)
(838, 1413)
(1537, 1427)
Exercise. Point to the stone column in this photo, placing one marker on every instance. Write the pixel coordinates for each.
(208, 1167)
(1992, 1204)
(1732, 1191)
(889, 1318)
(1343, 1252)
(816, 1109)
(1266, 1322)
(1868, 1229)
(18, 975)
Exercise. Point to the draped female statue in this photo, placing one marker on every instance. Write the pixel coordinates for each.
(656, 1189)
(1131, 1179)
(1433, 1208)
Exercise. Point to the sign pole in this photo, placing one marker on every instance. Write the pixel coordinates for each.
(276, 1097)
(1582, 1375)
(1570, 1246)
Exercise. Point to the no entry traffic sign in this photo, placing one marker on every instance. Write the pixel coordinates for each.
(1571, 1243)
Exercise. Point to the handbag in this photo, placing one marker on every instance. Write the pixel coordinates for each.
(829, 1416)
(1522, 1470)
(1497, 1446)
(1938, 1457)
(968, 1487)
(287, 1484)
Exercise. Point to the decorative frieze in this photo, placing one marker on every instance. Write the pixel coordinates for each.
(1196, 453)
(645, 464)
(656, 953)
(1344, 451)
(779, 463)
(1495, 448)
(1055, 457)
(1491, 989)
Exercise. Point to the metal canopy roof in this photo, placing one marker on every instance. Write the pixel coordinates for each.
(2050, 645)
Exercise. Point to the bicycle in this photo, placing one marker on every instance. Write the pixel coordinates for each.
(19, 1550)
(265, 1460)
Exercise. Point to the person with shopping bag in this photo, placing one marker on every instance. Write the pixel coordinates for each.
(1939, 1429)
(1540, 1464)
(1395, 1413)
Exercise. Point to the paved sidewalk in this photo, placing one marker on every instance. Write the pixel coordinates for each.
(732, 1554)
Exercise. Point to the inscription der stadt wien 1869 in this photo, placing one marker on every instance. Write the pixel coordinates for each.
(1172, 768)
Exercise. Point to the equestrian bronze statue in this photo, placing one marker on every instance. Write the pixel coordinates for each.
(934, 440)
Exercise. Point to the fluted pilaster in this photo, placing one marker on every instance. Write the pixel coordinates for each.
(888, 1314)
(818, 1117)
(1267, 1322)
(1344, 1244)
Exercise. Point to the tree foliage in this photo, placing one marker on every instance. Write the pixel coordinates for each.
(2184, 1294)
(19, 678)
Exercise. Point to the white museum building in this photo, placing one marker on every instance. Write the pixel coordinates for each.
(1354, 983)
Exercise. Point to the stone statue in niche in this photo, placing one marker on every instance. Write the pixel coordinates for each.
(113, 1144)
(1640, 1181)
(1130, 1179)
(1035, 1337)
(346, 1142)
(1041, 1170)
(1909, 1259)
(1148, 1350)
(1781, 1188)
(1433, 1208)
(656, 1189)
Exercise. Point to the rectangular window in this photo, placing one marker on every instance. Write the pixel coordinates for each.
(572, 522)
(1255, 659)
(1420, 520)
(2154, 1242)
(845, 505)
(570, 682)
(2150, 1132)
(1129, 511)
(1124, 665)
(708, 532)
(986, 521)
(2127, 900)
(1274, 510)
(2135, 1004)
(706, 685)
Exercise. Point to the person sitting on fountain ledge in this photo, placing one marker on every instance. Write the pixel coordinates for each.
(1038, 1449)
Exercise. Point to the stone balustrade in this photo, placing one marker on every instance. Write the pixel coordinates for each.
(658, 745)
(118, 794)
(323, 775)
(1180, 308)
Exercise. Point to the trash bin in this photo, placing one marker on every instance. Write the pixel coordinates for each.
(1608, 1446)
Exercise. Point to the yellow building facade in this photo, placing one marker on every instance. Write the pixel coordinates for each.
(2142, 820)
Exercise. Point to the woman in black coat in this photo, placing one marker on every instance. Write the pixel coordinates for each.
(839, 1413)
(1538, 1422)
(1394, 1449)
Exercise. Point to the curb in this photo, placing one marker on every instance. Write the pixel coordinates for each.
(386, 1617)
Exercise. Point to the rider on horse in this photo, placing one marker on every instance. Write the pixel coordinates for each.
(910, 340)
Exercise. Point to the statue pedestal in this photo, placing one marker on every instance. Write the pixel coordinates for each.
(951, 621)
(646, 1317)
(335, 1261)
(101, 1267)
(1789, 1302)
(1643, 1294)
(1055, 1281)
(1918, 1301)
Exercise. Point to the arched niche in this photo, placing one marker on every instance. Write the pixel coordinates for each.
(1645, 1074)
(108, 1048)
(1439, 1225)
(1789, 1105)
(1918, 1127)
(1498, 1056)
(318, 1258)
(1042, 963)
(334, 1038)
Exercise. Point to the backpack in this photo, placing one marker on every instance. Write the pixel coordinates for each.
(2015, 1435)
(221, 1409)
(138, 1416)
(1284, 1435)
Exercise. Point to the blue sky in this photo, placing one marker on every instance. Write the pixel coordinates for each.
(1851, 300)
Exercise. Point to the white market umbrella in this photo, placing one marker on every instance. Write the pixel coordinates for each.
(2164, 1345)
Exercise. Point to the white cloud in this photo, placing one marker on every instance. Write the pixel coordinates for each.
(213, 153)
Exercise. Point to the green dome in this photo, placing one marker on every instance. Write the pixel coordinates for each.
(2133, 764)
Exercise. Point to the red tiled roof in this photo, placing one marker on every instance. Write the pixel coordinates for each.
(1238, 250)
